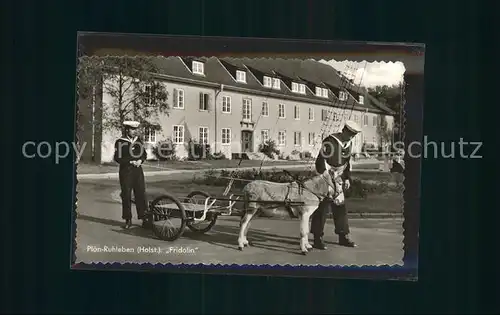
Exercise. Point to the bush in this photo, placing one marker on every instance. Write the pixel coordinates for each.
(307, 155)
(164, 150)
(197, 151)
(269, 148)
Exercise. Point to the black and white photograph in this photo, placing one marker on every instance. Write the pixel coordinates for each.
(236, 160)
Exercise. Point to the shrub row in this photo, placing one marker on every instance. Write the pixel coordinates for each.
(358, 189)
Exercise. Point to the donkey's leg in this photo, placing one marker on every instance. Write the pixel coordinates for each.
(244, 224)
(304, 227)
(307, 214)
(251, 214)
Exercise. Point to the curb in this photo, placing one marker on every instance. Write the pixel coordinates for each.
(354, 215)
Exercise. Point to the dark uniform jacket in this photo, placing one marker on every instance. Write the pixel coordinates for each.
(127, 150)
(335, 155)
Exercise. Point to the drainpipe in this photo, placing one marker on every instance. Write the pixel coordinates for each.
(217, 92)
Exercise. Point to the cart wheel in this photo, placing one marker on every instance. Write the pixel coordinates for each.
(199, 197)
(168, 217)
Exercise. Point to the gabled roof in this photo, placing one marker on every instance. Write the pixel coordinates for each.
(309, 72)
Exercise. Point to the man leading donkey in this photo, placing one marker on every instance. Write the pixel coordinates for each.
(335, 156)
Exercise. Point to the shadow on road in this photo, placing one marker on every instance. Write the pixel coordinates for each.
(99, 220)
(135, 230)
(222, 236)
(227, 236)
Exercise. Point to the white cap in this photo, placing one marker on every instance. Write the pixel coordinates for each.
(352, 126)
(131, 124)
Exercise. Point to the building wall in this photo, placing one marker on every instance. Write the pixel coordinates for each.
(192, 118)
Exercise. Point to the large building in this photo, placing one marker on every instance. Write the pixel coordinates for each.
(234, 104)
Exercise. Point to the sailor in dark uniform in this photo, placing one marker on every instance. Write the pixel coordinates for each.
(130, 154)
(335, 157)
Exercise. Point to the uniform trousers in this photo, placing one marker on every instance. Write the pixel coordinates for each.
(132, 179)
(339, 218)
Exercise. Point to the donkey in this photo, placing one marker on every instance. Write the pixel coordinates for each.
(299, 198)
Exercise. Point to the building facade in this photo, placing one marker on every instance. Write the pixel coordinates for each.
(234, 105)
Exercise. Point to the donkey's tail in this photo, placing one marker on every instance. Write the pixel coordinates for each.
(245, 203)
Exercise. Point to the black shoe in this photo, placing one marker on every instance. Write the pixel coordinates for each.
(146, 224)
(128, 224)
(344, 240)
(318, 243)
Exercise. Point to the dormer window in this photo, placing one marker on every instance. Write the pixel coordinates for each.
(342, 96)
(198, 67)
(298, 88)
(302, 88)
(268, 82)
(241, 76)
(321, 92)
(276, 84)
(361, 99)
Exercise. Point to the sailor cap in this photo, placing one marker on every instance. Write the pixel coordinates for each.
(131, 124)
(352, 126)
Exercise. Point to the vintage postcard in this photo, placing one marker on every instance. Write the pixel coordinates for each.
(270, 161)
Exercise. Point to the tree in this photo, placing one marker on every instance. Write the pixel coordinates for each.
(382, 130)
(390, 96)
(132, 87)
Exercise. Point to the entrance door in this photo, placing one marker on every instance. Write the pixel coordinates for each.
(247, 141)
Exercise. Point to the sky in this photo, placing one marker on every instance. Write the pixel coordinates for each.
(371, 74)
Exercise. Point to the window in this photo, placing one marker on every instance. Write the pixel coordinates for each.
(276, 83)
(198, 67)
(281, 110)
(178, 99)
(265, 135)
(324, 114)
(319, 91)
(297, 137)
(295, 87)
(203, 135)
(281, 138)
(265, 109)
(178, 134)
(342, 96)
(296, 112)
(226, 135)
(365, 120)
(356, 119)
(311, 138)
(302, 88)
(337, 117)
(148, 94)
(204, 100)
(325, 93)
(311, 114)
(361, 99)
(374, 120)
(226, 104)
(149, 135)
(247, 109)
(268, 82)
(241, 76)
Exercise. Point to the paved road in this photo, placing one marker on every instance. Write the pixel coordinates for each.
(275, 241)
